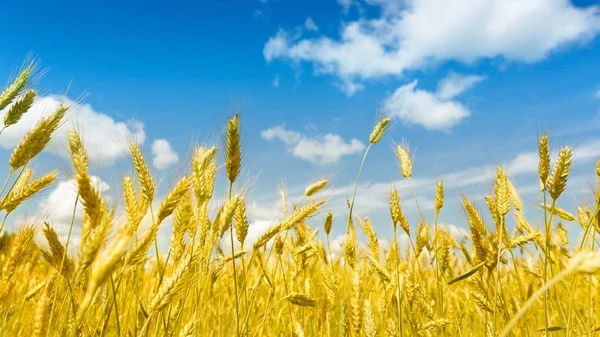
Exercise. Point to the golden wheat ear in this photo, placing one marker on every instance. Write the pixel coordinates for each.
(405, 160)
(315, 187)
(544, 157)
(396, 213)
(328, 222)
(241, 222)
(20, 107)
(302, 300)
(19, 195)
(57, 256)
(144, 178)
(558, 180)
(439, 197)
(233, 160)
(379, 130)
(37, 138)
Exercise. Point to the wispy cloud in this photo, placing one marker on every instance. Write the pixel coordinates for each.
(455, 84)
(310, 25)
(319, 149)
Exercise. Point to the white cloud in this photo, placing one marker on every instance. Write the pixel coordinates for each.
(104, 138)
(597, 94)
(346, 4)
(280, 132)
(350, 87)
(258, 211)
(322, 149)
(454, 231)
(310, 25)
(255, 229)
(455, 84)
(276, 81)
(163, 155)
(404, 38)
(257, 13)
(414, 106)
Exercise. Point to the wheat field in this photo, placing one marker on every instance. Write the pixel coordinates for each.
(520, 280)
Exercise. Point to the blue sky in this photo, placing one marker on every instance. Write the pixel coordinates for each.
(469, 85)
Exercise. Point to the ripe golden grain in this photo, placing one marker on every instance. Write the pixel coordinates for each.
(291, 281)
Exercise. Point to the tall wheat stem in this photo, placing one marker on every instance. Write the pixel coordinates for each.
(62, 262)
(398, 302)
(237, 304)
(548, 223)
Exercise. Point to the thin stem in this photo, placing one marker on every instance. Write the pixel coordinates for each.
(497, 288)
(266, 316)
(362, 164)
(3, 222)
(548, 222)
(591, 307)
(518, 277)
(62, 262)
(285, 282)
(351, 208)
(237, 303)
(574, 282)
(10, 190)
(398, 304)
(438, 275)
(6, 182)
(532, 300)
(244, 282)
(330, 256)
(415, 197)
(114, 292)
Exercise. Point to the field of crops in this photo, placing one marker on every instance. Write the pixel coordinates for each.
(521, 280)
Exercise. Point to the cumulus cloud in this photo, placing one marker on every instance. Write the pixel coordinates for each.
(104, 138)
(163, 155)
(403, 37)
(276, 81)
(310, 25)
(321, 149)
(419, 107)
